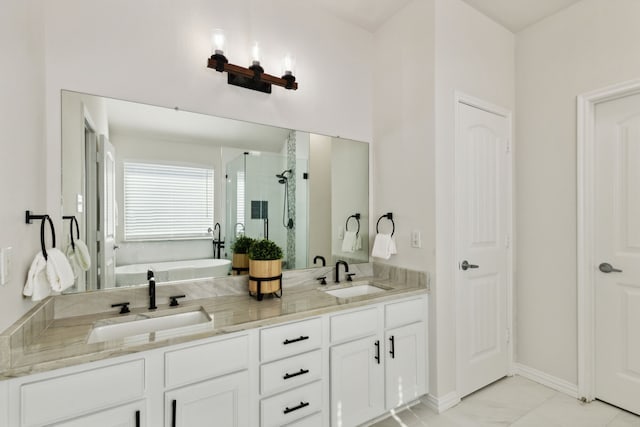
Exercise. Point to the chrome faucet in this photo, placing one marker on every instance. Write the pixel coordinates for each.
(152, 290)
(346, 269)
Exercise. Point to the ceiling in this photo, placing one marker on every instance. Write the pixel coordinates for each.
(513, 14)
(516, 15)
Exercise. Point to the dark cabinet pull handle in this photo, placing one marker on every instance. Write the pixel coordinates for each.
(302, 338)
(137, 418)
(174, 404)
(295, 408)
(392, 352)
(605, 267)
(377, 356)
(301, 372)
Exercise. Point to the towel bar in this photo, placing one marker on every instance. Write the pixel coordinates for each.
(29, 217)
(357, 217)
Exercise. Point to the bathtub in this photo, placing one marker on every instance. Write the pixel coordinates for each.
(136, 274)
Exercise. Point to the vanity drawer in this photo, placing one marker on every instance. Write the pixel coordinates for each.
(291, 406)
(290, 372)
(48, 401)
(403, 313)
(292, 338)
(314, 420)
(204, 361)
(354, 325)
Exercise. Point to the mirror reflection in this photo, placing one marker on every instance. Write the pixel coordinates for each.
(168, 190)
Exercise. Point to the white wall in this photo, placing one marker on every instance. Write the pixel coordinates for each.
(320, 197)
(588, 46)
(22, 173)
(155, 51)
(474, 55)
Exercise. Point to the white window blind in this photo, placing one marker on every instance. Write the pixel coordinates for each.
(166, 201)
(240, 198)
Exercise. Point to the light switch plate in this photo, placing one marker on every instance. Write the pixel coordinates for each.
(416, 239)
(6, 255)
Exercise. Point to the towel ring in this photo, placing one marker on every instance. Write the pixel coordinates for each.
(29, 217)
(357, 217)
(73, 219)
(53, 236)
(389, 216)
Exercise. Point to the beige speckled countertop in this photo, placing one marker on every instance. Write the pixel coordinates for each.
(63, 342)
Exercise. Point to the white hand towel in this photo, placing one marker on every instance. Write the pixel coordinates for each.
(37, 286)
(82, 255)
(59, 272)
(383, 246)
(358, 243)
(73, 261)
(349, 241)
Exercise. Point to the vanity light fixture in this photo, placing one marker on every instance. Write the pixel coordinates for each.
(252, 77)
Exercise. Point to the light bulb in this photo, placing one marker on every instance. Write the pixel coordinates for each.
(218, 41)
(255, 54)
(288, 65)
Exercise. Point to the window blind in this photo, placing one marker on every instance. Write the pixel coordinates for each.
(166, 201)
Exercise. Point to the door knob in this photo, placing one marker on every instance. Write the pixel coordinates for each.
(116, 247)
(605, 267)
(465, 265)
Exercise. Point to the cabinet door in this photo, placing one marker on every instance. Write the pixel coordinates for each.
(357, 381)
(123, 416)
(406, 363)
(221, 401)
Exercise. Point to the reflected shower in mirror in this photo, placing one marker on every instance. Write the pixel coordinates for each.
(167, 190)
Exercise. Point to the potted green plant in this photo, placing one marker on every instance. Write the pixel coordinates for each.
(265, 261)
(240, 248)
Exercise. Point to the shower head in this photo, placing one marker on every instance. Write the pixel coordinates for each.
(282, 177)
(283, 174)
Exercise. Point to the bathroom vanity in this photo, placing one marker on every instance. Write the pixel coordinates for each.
(308, 359)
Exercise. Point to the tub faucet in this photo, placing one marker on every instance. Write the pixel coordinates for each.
(152, 290)
(217, 243)
(346, 269)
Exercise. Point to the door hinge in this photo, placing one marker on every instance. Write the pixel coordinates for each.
(508, 335)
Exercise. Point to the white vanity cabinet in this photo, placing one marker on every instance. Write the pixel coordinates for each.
(208, 384)
(131, 415)
(378, 360)
(291, 386)
(96, 392)
(221, 401)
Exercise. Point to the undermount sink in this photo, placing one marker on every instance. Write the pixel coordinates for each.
(113, 329)
(356, 290)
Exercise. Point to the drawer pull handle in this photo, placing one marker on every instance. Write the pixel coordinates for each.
(377, 356)
(137, 418)
(301, 372)
(295, 408)
(302, 338)
(174, 404)
(392, 352)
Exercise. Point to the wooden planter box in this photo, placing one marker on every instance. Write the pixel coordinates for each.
(265, 269)
(240, 264)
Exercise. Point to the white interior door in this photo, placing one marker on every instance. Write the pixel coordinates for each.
(107, 209)
(617, 252)
(482, 241)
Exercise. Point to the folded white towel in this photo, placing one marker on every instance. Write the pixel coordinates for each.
(82, 254)
(383, 246)
(73, 261)
(349, 242)
(59, 272)
(37, 286)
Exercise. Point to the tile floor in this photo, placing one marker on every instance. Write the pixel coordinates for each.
(515, 401)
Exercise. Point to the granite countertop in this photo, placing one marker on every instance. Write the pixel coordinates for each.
(63, 341)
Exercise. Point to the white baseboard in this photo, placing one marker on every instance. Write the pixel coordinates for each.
(543, 378)
(441, 404)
